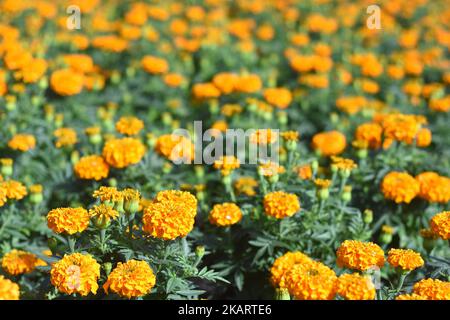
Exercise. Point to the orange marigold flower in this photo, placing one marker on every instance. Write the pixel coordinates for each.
(133, 278)
(270, 169)
(290, 135)
(250, 83)
(67, 82)
(226, 164)
(432, 289)
(246, 185)
(280, 204)
(18, 262)
(110, 43)
(120, 153)
(411, 296)
(405, 258)
(304, 172)
(22, 142)
(225, 82)
(225, 214)
(329, 143)
(264, 136)
(102, 214)
(433, 187)
(440, 225)
(8, 290)
(440, 105)
(79, 62)
(68, 220)
(400, 187)
(34, 70)
(283, 264)
(170, 215)
(205, 91)
(15, 190)
(175, 147)
(91, 168)
(359, 255)
(311, 281)
(65, 137)
(154, 65)
(173, 79)
(129, 126)
(76, 273)
(355, 287)
(423, 137)
(279, 97)
(369, 133)
(108, 194)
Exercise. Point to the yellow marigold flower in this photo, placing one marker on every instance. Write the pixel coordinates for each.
(175, 147)
(170, 215)
(108, 194)
(154, 65)
(67, 82)
(65, 137)
(311, 281)
(120, 153)
(355, 287)
(279, 97)
(433, 187)
(76, 273)
(405, 258)
(440, 225)
(225, 214)
(15, 190)
(283, 264)
(290, 135)
(246, 185)
(280, 204)
(91, 168)
(359, 255)
(226, 164)
(22, 142)
(264, 136)
(18, 262)
(400, 187)
(129, 126)
(3, 197)
(68, 220)
(230, 110)
(133, 278)
(8, 290)
(36, 188)
(322, 183)
(343, 163)
(432, 289)
(329, 143)
(102, 214)
(270, 169)
(411, 296)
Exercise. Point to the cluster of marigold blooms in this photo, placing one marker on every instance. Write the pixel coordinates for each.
(303, 278)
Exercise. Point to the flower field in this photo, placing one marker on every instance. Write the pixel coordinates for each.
(116, 175)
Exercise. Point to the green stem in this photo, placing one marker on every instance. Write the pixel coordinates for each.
(71, 241)
(401, 281)
(102, 240)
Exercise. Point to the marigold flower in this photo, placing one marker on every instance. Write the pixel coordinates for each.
(283, 264)
(412, 296)
(246, 185)
(329, 143)
(18, 262)
(67, 82)
(76, 273)
(359, 255)
(65, 137)
(433, 187)
(369, 133)
(405, 258)
(355, 287)
(400, 187)
(22, 142)
(205, 91)
(311, 281)
(91, 168)
(15, 190)
(280, 204)
(154, 65)
(432, 289)
(129, 126)
(133, 278)
(68, 220)
(175, 147)
(226, 164)
(440, 225)
(424, 137)
(102, 214)
(170, 215)
(250, 83)
(270, 169)
(279, 97)
(120, 153)
(173, 79)
(110, 43)
(108, 194)
(304, 172)
(79, 62)
(225, 214)
(225, 82)
(264, 136)
(8, 289)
